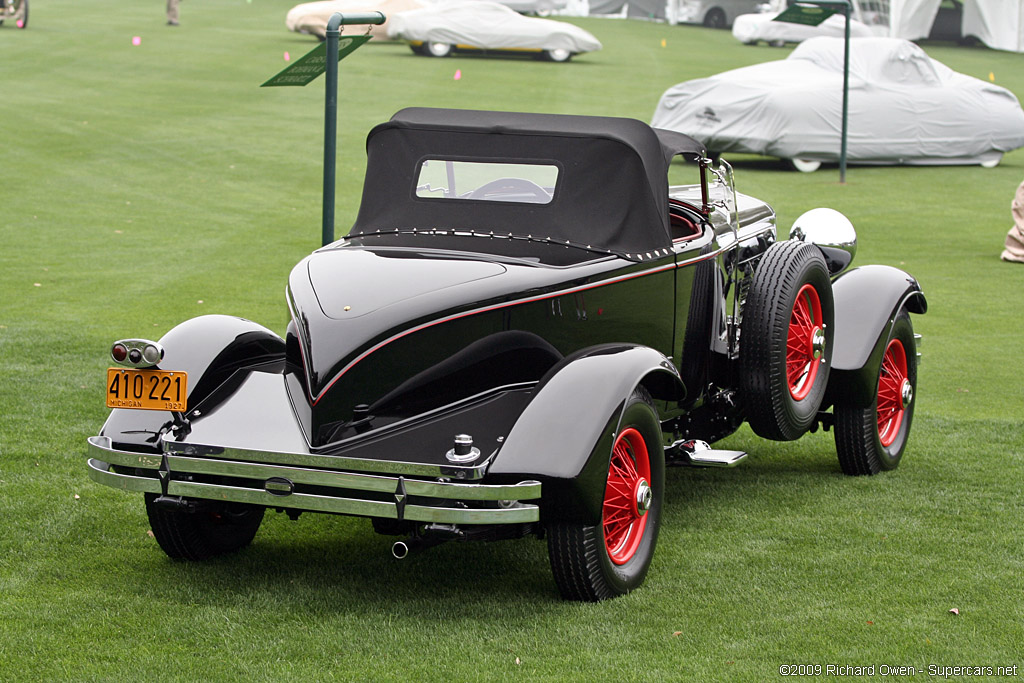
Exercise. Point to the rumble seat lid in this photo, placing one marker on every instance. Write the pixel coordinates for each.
(350, 283)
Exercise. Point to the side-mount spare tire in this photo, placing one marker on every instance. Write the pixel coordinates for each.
(786, 340)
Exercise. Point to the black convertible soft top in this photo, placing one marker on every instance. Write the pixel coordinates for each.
(612, 191)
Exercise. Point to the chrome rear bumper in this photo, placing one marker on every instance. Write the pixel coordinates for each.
(274, 485)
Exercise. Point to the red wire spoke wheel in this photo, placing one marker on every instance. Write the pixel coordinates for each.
(892, 392)
(627, 496)
(871, 438)
(611, 555)
(806, 343)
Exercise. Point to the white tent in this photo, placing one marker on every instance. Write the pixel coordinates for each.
(997, 23)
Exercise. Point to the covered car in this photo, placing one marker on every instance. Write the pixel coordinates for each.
(480, 25)
(710, 13)
(539, 7)
(762, 27)
(312, 17)
(904, 108)
(524, 326)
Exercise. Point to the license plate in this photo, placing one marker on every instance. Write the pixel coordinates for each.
(147, 389)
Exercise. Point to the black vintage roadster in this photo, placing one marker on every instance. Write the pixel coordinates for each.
(524, 326)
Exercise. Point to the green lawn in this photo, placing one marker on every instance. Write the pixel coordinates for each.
(143, 185)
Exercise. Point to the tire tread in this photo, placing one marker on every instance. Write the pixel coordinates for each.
(188, 536)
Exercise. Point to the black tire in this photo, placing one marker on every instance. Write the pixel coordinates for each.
(865, 443)
(212, 528)
(581, 560)
(418, 49)
(715, 18)
(782, 387)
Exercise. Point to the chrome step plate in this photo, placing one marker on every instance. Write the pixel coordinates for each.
(716, 458)
(697, 453)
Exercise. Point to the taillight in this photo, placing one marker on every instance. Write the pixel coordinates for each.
(152, 354)
(136, 353)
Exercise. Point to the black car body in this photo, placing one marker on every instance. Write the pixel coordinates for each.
(523, 326)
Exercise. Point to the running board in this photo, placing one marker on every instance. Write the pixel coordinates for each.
(698, 453)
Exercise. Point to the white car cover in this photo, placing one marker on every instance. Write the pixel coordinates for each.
(490, 26)
(750, 28)
(312, 17)
(904, 107)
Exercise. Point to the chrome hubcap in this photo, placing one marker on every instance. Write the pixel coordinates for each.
(906, 393)
(644, 496)
(817, 343)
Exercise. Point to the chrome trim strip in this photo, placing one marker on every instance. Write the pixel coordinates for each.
(99, 472)
(330, 462)
(362, 482)
(350, 506)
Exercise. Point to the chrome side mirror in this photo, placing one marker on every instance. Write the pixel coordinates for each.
(832, 232)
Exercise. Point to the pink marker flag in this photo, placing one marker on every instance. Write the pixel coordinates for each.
(136, 40)
(287, 57)
(458, 74)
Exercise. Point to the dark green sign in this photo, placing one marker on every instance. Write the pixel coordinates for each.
(312, 64)
(805, 14)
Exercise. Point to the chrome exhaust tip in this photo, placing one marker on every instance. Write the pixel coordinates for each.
(400, 550)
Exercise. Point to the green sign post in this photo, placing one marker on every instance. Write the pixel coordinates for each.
(812, 13)
(324, 59)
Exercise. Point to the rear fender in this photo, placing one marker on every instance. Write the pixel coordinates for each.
(867, 301)
(211, 349)
(564, 436)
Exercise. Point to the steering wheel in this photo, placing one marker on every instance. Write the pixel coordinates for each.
(496, 189)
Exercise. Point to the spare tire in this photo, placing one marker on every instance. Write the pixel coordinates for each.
(786, 339)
